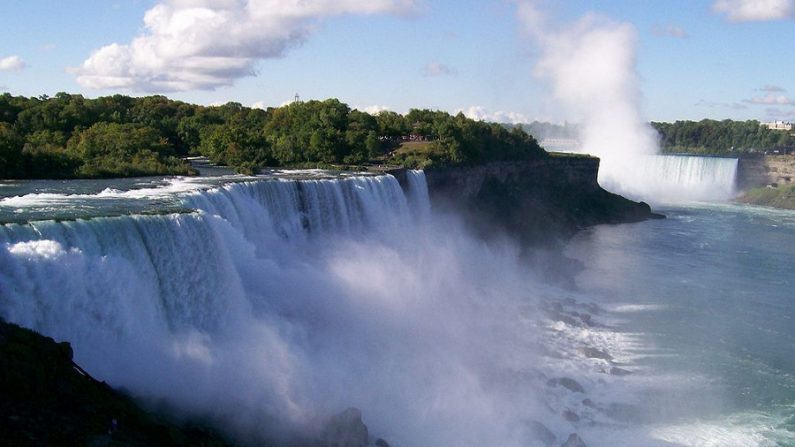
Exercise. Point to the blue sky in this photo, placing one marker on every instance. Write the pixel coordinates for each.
(692, 59)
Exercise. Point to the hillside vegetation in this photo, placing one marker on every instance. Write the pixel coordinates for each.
(70, 136)
(727, 137)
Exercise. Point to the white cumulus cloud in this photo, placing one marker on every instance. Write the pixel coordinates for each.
(482, 114)
(12, 63)
(206, 44)
(437, 69)
(374, 109)
(755, 10)
(780, 100)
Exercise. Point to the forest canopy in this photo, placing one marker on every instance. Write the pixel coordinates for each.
(713, 137)
(68, 136)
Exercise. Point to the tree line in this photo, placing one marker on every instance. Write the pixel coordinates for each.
(68, 136)
(711, 137)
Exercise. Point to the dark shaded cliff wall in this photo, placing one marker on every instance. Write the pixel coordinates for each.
(47, 399)
(539, 201)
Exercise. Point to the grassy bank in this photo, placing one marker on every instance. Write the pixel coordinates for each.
(778, 197)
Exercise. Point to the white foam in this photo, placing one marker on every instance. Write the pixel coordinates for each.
(44, 249)
(633, 308)
(739, 430)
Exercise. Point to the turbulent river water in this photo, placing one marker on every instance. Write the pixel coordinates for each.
(267, 304)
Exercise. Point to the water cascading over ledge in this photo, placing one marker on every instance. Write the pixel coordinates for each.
(177, 265)
(280, 302)
(277, 303)
(671, 178)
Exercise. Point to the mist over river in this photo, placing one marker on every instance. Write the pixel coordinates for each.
(267, 304)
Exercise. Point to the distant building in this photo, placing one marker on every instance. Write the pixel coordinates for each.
(778, 125)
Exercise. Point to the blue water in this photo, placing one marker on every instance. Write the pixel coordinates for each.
(709, 292)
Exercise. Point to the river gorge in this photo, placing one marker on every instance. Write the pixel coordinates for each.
(267, 304)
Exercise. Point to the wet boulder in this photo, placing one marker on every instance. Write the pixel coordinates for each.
(541, 433)
(345, 429)
(616, 371)
(570, 384)
(574, 440)
(593, 353)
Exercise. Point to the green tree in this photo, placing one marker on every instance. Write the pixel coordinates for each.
(111, 149)
(11, 162)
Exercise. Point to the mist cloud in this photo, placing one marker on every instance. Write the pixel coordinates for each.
(591, 67)
(755, 10)
(206, 44)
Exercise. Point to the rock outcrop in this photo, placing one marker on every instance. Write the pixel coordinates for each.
(537, 200)
(756, 171)
(47, 399)
(345, 430)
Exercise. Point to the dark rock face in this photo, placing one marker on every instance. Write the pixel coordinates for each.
(624, 413)
(574, 440)
(345, 430)
(571, 416)
(616, 371)
(593, 353)
(570, 384)
(46, 399)
(541, 433)
(538, 200)
(756, 171)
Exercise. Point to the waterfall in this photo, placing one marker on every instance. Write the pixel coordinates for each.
(178, 269)
(269, 304)
(265, 305)
(671, 178)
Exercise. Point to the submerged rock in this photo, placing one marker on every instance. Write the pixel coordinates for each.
(623, 412)
(564, 318)
(616, 371)
(569, 384)
(587, 319)
(574, 440)
(541, 433)
(345, 430)
(593, 353)
(571, 416)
